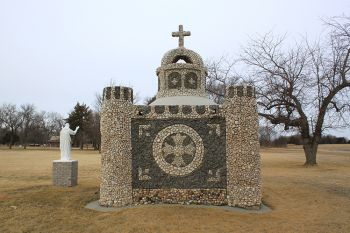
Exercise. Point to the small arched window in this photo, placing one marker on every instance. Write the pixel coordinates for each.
(174, 80)
(191, 80)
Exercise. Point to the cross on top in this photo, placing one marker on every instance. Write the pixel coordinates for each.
(181, 34)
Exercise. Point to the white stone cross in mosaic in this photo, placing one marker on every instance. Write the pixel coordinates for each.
(178, 150)
(192, 81)
(174, 81)
(181, 34)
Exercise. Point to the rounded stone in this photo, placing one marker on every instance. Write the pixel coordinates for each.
(180, 134)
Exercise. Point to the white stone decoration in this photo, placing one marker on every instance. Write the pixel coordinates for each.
(192, 81)
(214, 128)
(143, 130)
(174, 81)
(216, 177)
(65, 142)
(178, 134)
(178, 150)
(144, 174)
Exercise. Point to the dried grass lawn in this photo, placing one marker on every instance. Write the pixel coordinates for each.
(302, 199)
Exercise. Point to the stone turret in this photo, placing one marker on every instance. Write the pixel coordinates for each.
(115, 188)
(242, 147)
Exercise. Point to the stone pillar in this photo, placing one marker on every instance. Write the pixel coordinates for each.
(242, 148)
(65, 173)
(116, 177)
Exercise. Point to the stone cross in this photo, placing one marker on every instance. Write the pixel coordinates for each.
(181, 34)
(179, 149)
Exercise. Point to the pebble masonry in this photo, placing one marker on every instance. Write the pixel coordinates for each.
(65, 173)
(180, 153)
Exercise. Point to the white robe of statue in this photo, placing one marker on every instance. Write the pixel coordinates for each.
(65, 142)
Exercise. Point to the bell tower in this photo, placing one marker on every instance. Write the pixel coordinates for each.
(181, 83)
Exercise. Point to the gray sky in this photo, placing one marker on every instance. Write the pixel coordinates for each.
(55, 53)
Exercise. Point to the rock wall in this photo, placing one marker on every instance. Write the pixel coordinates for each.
(116, 177)
(180, 154)
(242, 148)
(180, 196)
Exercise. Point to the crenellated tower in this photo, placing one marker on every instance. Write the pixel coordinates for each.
(116, 113)
(242, 147)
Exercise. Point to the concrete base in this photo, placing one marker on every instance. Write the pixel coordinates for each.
(65, 173)
(96, 206)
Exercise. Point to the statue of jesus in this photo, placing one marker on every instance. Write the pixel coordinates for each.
(65, 142)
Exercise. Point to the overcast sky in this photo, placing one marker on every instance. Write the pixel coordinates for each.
(55, 53)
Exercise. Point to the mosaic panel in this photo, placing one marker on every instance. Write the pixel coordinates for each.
(179, 153)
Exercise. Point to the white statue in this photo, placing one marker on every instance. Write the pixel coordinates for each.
(65, 142)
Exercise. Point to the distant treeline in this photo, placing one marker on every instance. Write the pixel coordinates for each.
(297, 140)
(25, 126)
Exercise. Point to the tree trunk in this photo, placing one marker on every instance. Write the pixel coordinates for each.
(310, 150)
(81, 141)
(11, 140)
(25, 141)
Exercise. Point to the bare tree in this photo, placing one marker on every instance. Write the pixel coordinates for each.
(94, 130)
(221, 73)
(136, 98)
(39, 131)
(53, 123)
(304, 87)
(267, 133)
(11, 119)
(149, 100)
(26, 113)
(98, 102)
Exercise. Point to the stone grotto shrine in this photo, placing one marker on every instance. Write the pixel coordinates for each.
(182, 148)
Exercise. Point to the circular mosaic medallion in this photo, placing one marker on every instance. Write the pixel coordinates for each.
(178, 150)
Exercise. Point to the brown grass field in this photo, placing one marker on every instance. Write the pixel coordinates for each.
(302, 199)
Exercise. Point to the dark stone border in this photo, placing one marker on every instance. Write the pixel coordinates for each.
(127, 93)
(159, 109)
(174, 109)
(239, 91)
(117, 92)
(214, 156)
(186, 109)
(201, 109)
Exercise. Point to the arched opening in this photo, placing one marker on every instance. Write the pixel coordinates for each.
(182, 59)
